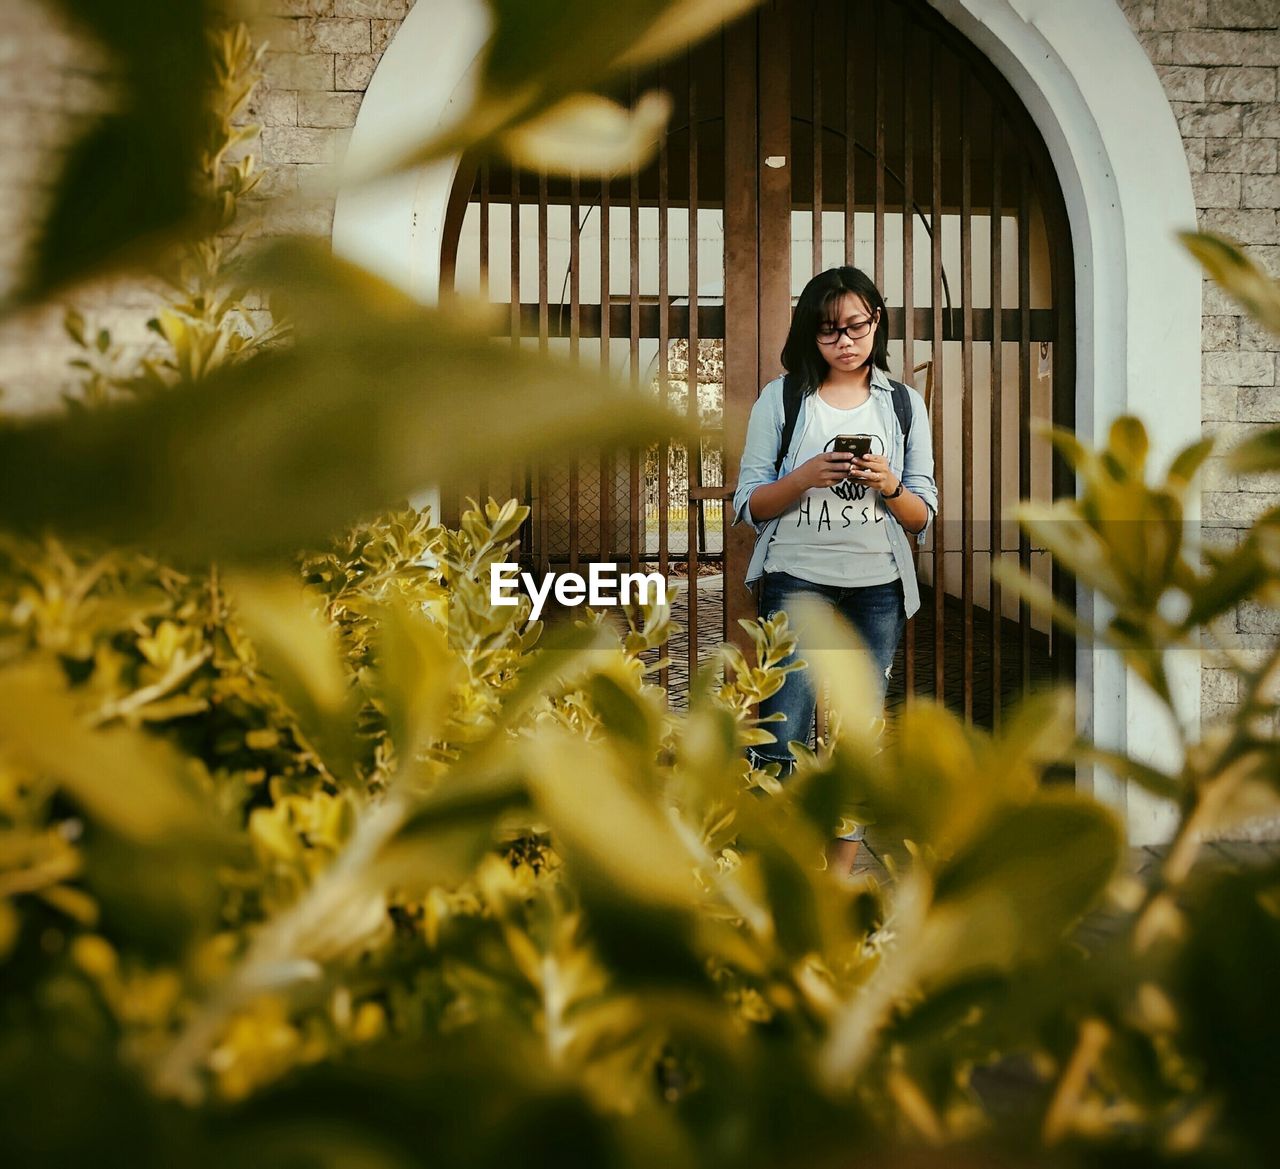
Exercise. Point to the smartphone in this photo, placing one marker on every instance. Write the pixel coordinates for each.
(858, 445)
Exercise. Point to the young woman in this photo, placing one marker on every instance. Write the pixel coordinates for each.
(828, 524)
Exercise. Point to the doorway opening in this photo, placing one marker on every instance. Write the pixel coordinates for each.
(804, 137)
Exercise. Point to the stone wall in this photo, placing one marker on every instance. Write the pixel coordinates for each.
(1218, 61)
(50, 84)
(322, 54)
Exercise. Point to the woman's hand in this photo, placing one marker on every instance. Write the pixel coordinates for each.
(873, 470)
(824, 470)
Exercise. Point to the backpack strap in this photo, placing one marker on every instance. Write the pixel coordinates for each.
(791, 395)
(902, 408)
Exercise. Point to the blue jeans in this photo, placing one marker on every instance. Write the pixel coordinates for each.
(877, 612)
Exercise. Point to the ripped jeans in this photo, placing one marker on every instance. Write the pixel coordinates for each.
(877, 612)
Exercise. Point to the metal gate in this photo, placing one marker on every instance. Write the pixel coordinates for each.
(804, 136)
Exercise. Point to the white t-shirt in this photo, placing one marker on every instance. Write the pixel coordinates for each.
(835, 535)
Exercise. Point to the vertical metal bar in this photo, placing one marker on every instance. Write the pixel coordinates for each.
(724, 507)
(996, 598)
(484, 230)
(775, 186)
(938, 417)
(575, 325)
(486, 481)
(523, 474)
(544, 308)
(694, 504)
(850, 137)
(664, 361)
(607, 539)
(741, 298)
(544, 321)
(819, 29)
(459, 201)
(908, 304)
(461, 196)
(966, 399)
(636, 493)
(1062, 404)
(1024, 404)
(877, 37)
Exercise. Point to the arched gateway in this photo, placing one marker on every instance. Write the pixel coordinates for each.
(931, 173)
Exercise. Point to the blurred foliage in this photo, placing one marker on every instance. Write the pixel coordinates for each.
(127, 183)
(207, 320)
(321, 859)
(539, 60)
(418, 815)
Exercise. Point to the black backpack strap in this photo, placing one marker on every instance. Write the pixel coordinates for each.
(902, 408)
(791, 395)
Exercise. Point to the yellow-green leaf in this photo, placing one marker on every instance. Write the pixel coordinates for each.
(606, 828)
(1230, 267)
(417, 674)
(1017, 887)
(134, 783)
(299, 651)
(590, 135)
(378, 399)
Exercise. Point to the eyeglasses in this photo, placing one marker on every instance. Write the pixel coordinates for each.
(829, 334)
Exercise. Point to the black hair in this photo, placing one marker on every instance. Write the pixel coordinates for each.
(818, 303)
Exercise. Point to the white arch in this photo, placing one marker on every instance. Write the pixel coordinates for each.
(1115, 145)
(1114, 142)
(395, 227)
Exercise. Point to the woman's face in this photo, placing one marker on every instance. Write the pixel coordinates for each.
(841, 351)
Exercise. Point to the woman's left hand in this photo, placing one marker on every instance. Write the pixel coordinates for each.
(874, 471)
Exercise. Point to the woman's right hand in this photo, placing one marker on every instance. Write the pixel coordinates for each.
(824, 470)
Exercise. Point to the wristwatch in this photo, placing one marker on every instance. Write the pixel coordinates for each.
(896, 493)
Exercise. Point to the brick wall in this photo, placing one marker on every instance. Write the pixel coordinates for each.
(1218, 62)
(322, 56)
(50, 84)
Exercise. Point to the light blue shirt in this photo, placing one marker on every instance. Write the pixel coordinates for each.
(913, 465)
